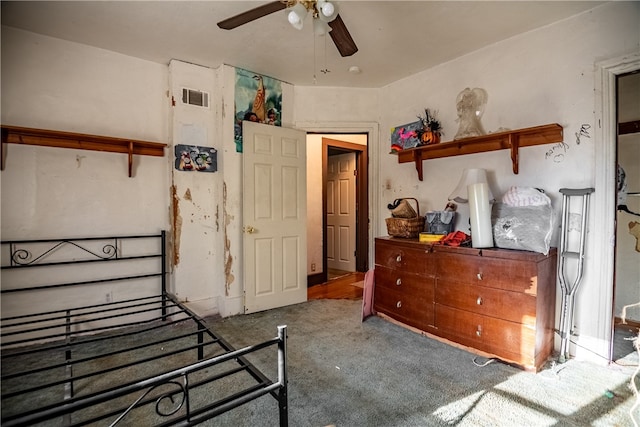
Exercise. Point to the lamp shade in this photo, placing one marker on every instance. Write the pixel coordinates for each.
(296, 15)
(327, 11)
(469, 177)
(320, 28)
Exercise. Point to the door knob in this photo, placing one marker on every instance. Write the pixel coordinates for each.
(249, 229)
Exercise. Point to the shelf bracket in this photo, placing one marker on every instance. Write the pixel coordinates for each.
(3, 147)
(514, 143)
(130, 158)
(417, 158)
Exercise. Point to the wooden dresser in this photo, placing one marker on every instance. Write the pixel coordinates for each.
(498, 302)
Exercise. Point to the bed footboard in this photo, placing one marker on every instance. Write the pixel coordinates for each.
(91, 335)
(173, 402)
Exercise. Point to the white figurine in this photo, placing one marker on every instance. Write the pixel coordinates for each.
(470, 104)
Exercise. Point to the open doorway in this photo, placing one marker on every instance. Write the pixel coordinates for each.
(604, 202)
(345, 206)
(627, 249)
(340, 229)
(324, 148)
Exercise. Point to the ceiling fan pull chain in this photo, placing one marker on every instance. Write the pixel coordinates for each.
(315, 80)
(325, 70)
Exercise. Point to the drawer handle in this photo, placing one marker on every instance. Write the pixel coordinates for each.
(399, 304)
(479, 331)
(479, 276)
(399, 258)
(398, 281)
(479, 301)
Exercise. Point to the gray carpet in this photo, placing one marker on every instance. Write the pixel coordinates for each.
(345, 372)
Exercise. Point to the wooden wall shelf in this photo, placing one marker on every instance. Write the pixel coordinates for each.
(79, 141)
(511, 140)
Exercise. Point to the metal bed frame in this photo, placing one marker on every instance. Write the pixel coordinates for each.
(58, 340)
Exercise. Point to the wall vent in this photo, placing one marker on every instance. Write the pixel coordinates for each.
(195, 97)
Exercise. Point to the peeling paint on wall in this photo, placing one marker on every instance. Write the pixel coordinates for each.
(177, 225)
(217, 218)
(228, 259)
(187, 195)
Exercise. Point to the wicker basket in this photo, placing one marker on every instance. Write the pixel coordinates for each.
(406, 227)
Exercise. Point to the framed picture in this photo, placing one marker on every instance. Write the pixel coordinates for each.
(258, 99)
(405, 136)
(193, 158)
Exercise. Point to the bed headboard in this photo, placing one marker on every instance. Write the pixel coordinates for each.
(48, 275)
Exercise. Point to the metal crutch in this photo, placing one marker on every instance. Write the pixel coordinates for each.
(569, 289)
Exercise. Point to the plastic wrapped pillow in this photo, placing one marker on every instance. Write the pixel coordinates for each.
(526, 228)
(525, 196)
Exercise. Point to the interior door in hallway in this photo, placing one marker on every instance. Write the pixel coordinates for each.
(274, 203)
(341, 212)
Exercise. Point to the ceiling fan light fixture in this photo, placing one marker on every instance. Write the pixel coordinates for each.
(297, 11)
(296, 15)
(320, 28)
(327, 11)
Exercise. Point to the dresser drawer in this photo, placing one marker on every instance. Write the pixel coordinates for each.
(513, 306)
(417, 259)
(413, 310)
(408, 283)
(517, 276)
(509, 340)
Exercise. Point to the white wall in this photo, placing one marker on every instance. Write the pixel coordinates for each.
(197, 197)
(315, 105)
(544, 76)
(50, 84)
(55, 192)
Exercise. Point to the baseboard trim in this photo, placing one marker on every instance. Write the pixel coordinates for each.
(629, 322)
(315, 279)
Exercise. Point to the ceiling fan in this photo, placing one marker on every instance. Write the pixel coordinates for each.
(325, 19)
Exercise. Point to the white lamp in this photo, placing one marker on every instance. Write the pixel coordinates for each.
(473, 188)
(469, 176)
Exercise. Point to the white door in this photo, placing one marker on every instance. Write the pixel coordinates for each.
(341, 212)
(274, 203)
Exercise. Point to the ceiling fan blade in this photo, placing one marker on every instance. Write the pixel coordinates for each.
(251, 15)
(341, 37)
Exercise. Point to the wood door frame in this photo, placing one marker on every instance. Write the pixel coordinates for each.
(362, 201)
(604, 199)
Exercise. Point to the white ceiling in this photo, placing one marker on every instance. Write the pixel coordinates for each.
(395, 38)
